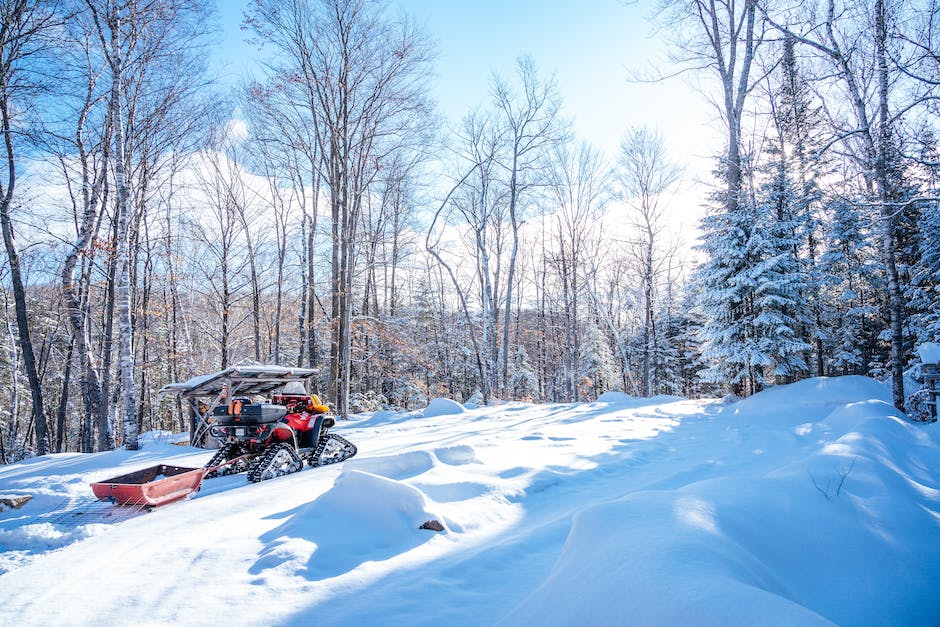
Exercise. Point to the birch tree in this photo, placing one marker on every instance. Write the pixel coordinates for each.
(88, 143)
(23, 26)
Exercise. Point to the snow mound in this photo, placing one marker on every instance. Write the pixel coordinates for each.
(614, 397)
(852, 416)
(363, 517)
(456, 455)
(664, 559)
(400, 466)
(810, 399)
(443, 407)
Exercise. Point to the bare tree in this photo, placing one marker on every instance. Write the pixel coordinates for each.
(285, 147)
(362, 77)
(576, 182)
(218, 230)
(645, 176)
(478, 202)
(532, 124)
(23, 26)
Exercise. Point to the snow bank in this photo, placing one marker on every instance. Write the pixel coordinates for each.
(656, 558)
(801, 526)
(443, 407)
(814, 503)
(810, 399)
(614, 397)
(363, 517)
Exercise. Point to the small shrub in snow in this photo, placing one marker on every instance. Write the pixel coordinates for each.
(408, 395)
(369, 401)
(843, 475)
(918, 406)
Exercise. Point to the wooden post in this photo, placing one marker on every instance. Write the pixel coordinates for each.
(931, 374)
(193, 409)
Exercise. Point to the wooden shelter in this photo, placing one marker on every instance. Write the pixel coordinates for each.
(246, 379)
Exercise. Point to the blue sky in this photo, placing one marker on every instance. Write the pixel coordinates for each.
(589, 45)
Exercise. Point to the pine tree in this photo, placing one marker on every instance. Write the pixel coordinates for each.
(850, 287)
(779, 299)
(599, 369)
(750, 295)
(725, 287)
(924, 290)
(779, 272)
(799, 124)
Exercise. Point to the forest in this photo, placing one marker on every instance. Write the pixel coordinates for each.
(158, 225)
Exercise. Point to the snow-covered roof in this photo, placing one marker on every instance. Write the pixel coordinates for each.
(247, 378)
(929, 353)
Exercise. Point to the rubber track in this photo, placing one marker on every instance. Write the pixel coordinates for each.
(349, 450)
(254, 474)
(227, 452)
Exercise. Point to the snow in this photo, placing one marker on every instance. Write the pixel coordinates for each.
(442, 407)
(814, 503)
(929, 353)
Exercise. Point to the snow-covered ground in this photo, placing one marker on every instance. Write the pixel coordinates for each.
(805, 504)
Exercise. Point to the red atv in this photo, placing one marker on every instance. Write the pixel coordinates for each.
(274, 439)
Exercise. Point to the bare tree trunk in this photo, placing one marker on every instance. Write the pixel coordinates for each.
(888, 217)
(255, 286)
(105, 424)
(62, 412)
(16, 31)
(311, 294)
(116, 59)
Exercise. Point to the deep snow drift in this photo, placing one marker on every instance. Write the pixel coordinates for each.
(806, 504)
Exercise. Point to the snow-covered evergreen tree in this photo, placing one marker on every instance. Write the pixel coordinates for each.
(924, 290)
(800, 163)
(725, 286)
(599, 369)
(523, 382)
(850, 286)
(779, 274)
(668, 361)
(750, 295)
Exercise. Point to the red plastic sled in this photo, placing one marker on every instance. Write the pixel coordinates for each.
(154, 486)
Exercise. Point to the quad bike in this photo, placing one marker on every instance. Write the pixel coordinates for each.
(269, 440)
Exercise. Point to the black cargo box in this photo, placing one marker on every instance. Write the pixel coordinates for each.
(255, 413)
